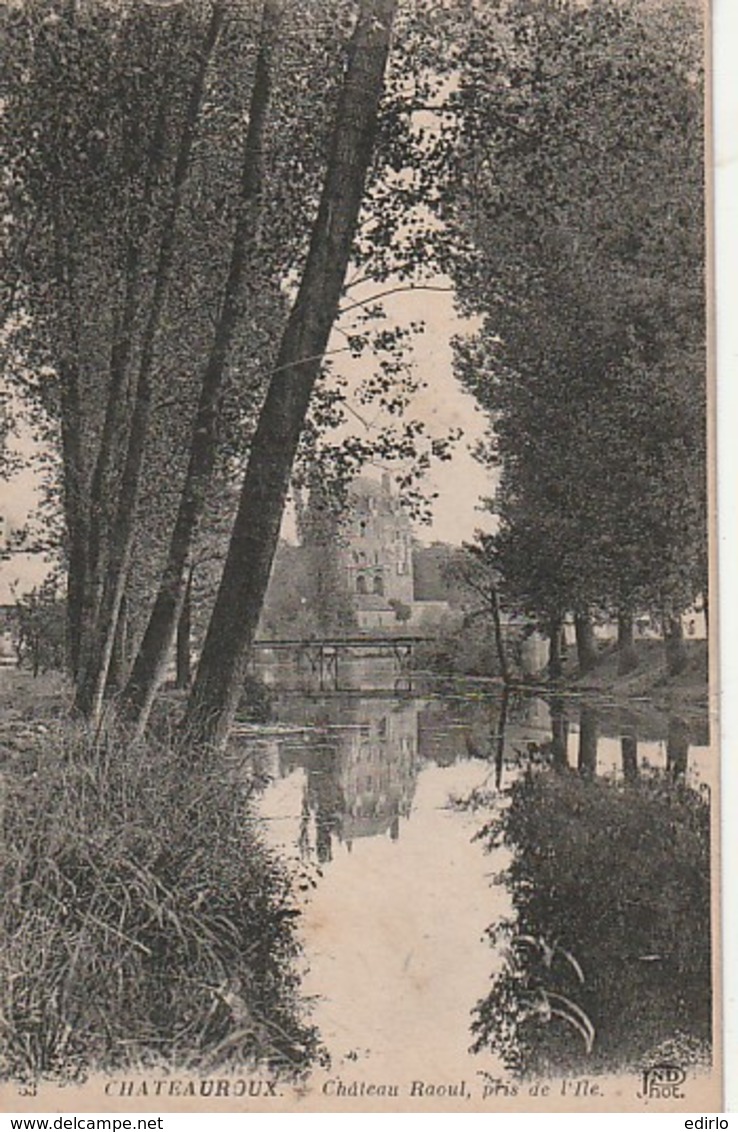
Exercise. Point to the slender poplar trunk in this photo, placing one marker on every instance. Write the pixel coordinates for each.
(627, 656)
(111, 448)
(184, 639)
(555, 658)
(586, 648)
(74, 512)
(150, 663)
(76, 572)
(240, 598)
(101, 503)
(90, 689)
(629, 753)
(119, 656)
(674, 648)
(73, 454)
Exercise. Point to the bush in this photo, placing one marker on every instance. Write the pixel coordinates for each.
(611, 891)
(39, 629)
(257, 703)
(459, 649)
(144, 922)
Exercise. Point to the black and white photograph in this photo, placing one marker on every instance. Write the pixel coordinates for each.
(358, 670)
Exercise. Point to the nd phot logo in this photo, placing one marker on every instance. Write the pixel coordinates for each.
(663, 1082)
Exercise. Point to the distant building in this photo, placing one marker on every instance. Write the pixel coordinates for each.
(375, 551)
(439, 588)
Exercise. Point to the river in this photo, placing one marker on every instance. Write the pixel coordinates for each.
(410, 917)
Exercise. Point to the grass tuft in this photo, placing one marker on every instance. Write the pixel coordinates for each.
(144, 922)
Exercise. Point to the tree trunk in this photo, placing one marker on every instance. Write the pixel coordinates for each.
(629, 752)
(184, 635)
(676, 653)
(119, 657)
(76, 574)
(627, 656)
(111, 447)
(500, 737)
(74, 513)
(240, 597)
(555, 657)
(87, 499)
(586, 648)
(587, 756)
(150, 663)
(559, 735)
(499, 638)
(101, 503)
(677, 747)
(73, 454)
(90, 688)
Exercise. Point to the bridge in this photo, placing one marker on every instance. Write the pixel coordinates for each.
(321, 655)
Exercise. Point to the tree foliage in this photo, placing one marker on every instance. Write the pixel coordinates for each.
(156, 238)
(576, 195)
(166, 168)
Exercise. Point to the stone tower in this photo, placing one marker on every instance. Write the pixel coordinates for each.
(376, 553)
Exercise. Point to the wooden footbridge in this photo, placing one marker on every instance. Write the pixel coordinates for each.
(322, 655)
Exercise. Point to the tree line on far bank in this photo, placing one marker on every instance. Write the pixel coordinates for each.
(575, 190)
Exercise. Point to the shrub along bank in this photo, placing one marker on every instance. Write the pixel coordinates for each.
(144, 922)
(609, 947)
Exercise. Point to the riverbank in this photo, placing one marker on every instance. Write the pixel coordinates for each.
(355, 783)
(128, 940)
(472, 657)
(647, 695)
(686, 693)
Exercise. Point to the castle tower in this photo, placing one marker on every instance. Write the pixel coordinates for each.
(376, 554)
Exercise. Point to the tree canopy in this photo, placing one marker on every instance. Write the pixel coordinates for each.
(180, 232)
(575, 192)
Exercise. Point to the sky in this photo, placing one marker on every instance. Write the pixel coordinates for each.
(443, 404)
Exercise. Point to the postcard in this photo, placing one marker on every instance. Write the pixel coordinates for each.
(359, 745)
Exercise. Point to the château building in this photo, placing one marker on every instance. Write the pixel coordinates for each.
(376, 554)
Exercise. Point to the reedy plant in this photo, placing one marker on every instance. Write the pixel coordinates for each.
(145, 923)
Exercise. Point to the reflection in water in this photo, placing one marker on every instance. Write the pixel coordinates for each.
(402, 888)
(587, 761)
(359, 780)
(677, 748)
(361, 760)
(600, 917)
(500, 737)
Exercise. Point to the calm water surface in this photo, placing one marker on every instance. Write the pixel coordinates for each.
(364, 791)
